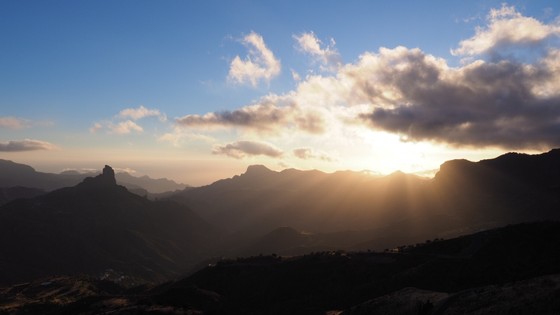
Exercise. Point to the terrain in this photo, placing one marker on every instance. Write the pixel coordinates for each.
(20, 180)
(96, 226)
(357, 211)
(515, 268)
(289, 242)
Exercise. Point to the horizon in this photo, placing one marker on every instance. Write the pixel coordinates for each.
(196, 92)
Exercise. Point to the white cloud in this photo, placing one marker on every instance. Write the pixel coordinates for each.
(241, 149)
(125, 127)
(25, 145)
(506, 28)
(125, 122)
(328, 57)
(141, 112)
(259, 65)
(9, 122)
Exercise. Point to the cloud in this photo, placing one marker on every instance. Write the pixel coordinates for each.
(124, 170)
(504, 102)
(125, 122)
(307, 154)
(241, 149)
(270, 114)
(141, 112)
(506, 28)
(12, 123)
(328, 56)
(259, 65)
(125, 127)
(25, 145)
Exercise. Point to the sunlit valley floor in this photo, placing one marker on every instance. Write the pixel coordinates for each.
(480, 237)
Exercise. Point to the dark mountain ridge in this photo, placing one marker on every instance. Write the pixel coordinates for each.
(515, 269)
(14, 174)
(380, 212)
(95, 226)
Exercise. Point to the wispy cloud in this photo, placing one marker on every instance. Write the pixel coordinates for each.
(125, 127)
(259, 65)
(241, 149)
(141, 112)
(25, 145)
(328, 56)
(310, 154)
(9, 122)
(126, 121)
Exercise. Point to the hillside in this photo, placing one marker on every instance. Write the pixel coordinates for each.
(95, 226)
(485, 273)
(380, 212)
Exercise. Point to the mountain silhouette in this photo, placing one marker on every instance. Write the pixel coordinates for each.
(95, 226)
(379, 212)
(20, 175)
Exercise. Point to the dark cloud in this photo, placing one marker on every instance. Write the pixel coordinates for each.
(267, 116)
(25, 145)
(490, 104)
(241, 149)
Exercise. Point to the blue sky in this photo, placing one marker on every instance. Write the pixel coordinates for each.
(70, 70)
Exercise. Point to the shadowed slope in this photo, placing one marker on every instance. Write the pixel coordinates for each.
(98, 225)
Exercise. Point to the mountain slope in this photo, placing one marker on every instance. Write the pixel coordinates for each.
(382, 212)
(484, 273)
(98, 225)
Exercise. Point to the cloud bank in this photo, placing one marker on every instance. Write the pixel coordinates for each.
(25, 145)
(502, 95)
(259, 65)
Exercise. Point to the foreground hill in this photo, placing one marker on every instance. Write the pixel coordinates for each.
(360, 211)
(98, 226)
(492, 272)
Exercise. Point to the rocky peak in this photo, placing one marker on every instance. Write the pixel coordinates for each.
(258, 170)
(109, 175)
(106, 178)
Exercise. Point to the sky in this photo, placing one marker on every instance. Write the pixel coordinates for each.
(196, 91)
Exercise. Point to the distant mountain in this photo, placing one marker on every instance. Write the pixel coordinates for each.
(155, 186)
(97, 226)
(14, 174)
(380, 212)
(515, 269)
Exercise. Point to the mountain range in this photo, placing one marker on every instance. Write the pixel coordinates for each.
(97, 227)
(13, 174)
(355, 210)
